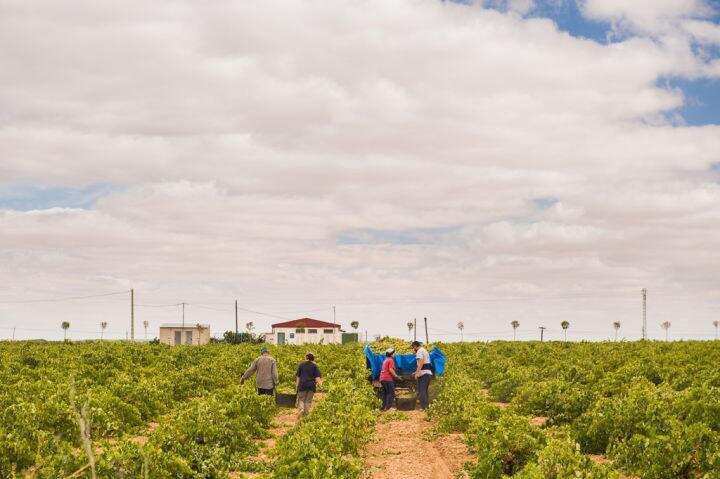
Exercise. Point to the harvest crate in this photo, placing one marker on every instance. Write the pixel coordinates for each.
(406, 403)
(286, 399)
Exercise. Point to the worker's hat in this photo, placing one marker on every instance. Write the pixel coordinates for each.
(389, 350)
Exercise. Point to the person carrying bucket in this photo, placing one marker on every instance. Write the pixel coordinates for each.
(266, 373)
(306, 379)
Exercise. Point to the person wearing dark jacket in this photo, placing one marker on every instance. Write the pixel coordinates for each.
(307, 379)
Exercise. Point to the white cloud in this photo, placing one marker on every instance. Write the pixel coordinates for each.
(704, 32)
(648, 15)
(249, 136)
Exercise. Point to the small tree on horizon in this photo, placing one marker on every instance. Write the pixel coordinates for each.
(249, 327)
(716, 324)
(103, 326)
(355, 325)
(565, 325)
(65, 325)
(461, 326)
(146, 323)
(515, 324)
(616, 326)
(410, 327)
(666, 326)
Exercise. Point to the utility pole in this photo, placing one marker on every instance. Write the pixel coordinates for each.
(183, 315)
(236, 321)
(14, 332)
(542, 333)
(644, 313)
(414, 329)
(132, 314)
(427, 340)
(366, 336)
(334, 320)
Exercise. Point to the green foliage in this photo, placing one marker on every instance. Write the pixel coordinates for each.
(504, 445)
(563, 459)
(653, 408)
(327, 443)
(231, 337)
(684, 451)
(207, 424)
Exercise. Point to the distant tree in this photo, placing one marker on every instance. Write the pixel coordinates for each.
(103, 326)
(565, 325)
(616, 326)
(515, 324)
(231, 337)
(666, 326)
(65, 325)
(461, 326)
(716, 324)
(410, 327)
(146, 323)
(249, 327)
(355, 325)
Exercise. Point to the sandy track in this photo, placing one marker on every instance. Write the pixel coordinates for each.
(400, 451)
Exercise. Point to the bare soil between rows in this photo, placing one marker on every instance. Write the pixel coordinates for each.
(401, 450)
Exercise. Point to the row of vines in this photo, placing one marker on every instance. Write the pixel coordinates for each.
(605, 410)
(167, 412)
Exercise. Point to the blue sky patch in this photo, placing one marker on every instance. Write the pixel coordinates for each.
(702, 99)
(544, 203)
(569, 18)
(702, 105)
(36, 197)
(565, 13)
(412, 236)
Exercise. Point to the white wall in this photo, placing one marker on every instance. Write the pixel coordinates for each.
(201, 336)
(306, 337)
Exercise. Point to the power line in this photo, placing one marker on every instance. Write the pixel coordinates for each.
(212, 309)
(69, 298)
(265, 314)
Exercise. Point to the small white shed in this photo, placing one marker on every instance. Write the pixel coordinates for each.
(176, 334)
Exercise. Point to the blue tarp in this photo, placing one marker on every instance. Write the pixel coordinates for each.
(405, 363)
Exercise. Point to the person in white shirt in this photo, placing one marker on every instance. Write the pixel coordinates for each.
(423, 373)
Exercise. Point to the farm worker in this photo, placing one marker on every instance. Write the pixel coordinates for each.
(307, 378)
(423, 373)
(266, 373)
(387, 379)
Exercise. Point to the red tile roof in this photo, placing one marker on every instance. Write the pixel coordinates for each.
(305, 323)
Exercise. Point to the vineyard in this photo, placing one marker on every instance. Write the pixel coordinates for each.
(526, 410)
(558, 410)
(161, 412)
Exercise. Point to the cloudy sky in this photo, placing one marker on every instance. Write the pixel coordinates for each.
(537, 160)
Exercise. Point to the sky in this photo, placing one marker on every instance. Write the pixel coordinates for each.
(483, 162)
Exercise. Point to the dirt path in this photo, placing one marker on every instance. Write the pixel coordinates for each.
(282, 423)
(285, 420)
(400, 451)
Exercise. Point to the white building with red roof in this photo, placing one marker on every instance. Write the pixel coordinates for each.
(304, 331)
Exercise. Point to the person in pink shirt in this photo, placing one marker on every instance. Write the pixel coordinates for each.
(387, 380)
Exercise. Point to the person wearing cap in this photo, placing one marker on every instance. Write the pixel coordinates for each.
(306, 380)
(266, 373)
(387, 379)
(423, 373)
